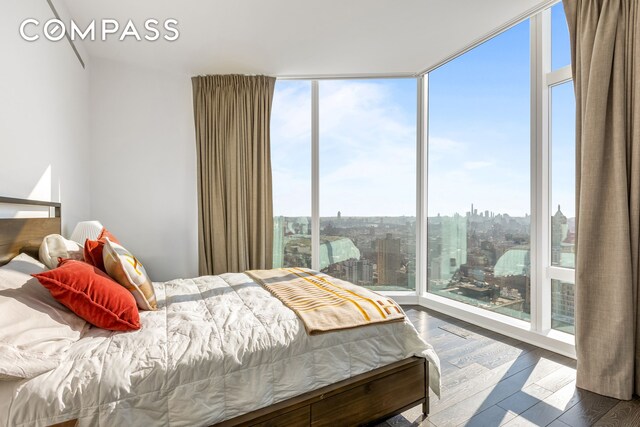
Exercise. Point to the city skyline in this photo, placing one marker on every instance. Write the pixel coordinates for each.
(480, 257)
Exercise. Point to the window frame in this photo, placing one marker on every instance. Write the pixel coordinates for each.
(542, 88)
(538, 331)
(402, 297)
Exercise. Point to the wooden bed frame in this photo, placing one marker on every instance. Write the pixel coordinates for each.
(364, 399)
(25, 234)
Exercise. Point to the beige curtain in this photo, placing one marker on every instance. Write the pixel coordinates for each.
(605, 45)
(235, 213)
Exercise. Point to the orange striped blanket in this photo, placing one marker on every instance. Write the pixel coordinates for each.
(324, 303)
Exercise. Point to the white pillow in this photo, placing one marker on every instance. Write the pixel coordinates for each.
(55, 246)
(35, 329)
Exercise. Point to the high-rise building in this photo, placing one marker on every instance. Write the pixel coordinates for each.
(448, 246)
(559, 231)
(562, 305)
(278, 241)
(359, 272)
(389, 260)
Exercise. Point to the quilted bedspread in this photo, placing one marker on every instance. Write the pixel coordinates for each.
(217, 347)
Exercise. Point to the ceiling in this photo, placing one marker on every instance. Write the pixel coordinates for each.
(299, 37)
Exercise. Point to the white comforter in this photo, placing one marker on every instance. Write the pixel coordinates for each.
(218, 347)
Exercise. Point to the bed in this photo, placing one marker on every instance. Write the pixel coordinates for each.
(220, 350)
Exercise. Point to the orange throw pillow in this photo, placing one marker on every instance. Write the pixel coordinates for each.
(93, 253)
(92, 295)
(93, 249)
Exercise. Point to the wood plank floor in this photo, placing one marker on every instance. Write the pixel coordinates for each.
(490, 380)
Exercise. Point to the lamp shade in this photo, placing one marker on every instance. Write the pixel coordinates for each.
(86, 230)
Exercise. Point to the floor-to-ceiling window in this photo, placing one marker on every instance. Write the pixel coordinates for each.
(291, 169)
(471, 205)
(479, 176)
(367, 142)
(367, 179)
(562, 155)
(563, 221)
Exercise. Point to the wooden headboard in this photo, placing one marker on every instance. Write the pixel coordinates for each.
(25, 234)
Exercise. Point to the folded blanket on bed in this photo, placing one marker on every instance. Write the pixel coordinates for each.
(324, 303)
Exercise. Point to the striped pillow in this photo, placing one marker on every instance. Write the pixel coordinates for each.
(125, 269)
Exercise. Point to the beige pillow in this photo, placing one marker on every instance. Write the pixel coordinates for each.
(125, 269)
(55, 246)
(35, 329)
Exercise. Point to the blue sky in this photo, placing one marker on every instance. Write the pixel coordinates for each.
(479, 138)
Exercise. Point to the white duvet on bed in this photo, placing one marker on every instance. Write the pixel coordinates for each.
(217, 347)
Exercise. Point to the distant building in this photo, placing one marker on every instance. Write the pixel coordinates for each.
(514, 262)
(336, 250)
(512, 275)
(359, 272)
(562, 305)
(278, 241)
(447, 246)
(562, 241)
(559, 230)
(389, 260)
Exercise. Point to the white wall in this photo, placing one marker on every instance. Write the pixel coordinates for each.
(143, 174)
(111, 142)
(44, 120)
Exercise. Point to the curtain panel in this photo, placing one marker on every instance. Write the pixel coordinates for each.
(235, 211)
(605, 44)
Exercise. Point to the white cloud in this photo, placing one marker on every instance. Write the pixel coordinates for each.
(291, 148)
(444, 145)
(368, 153)
(478, 164)
(291, 114)
(368, 157)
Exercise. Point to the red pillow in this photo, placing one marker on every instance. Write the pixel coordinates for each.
(93, 253)
(92, 295)
(105, 233)
(93, 249)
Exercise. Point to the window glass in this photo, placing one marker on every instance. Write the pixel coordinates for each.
(560, 45)
(291, 169)
(368, 181)
(479, 176)
(562, 306)
(563, 175)
(479, 189)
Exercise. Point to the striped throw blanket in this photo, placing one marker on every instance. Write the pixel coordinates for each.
(324, 303)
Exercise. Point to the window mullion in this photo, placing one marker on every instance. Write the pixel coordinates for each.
(315, 177)
(422, 136)
(544, 67)
(535, 261)
(561, 273)
(540, 188)
(559, 76)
